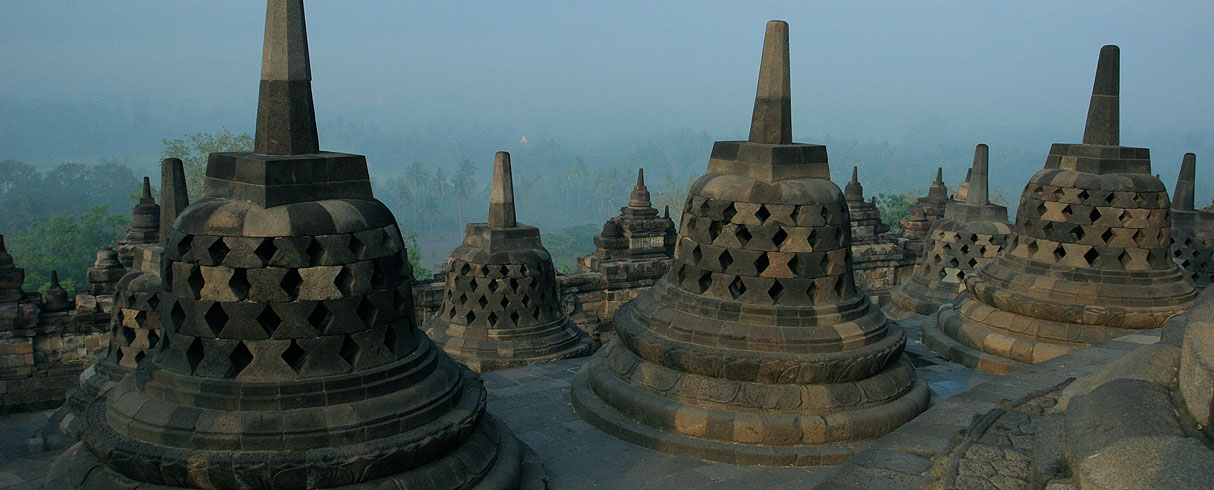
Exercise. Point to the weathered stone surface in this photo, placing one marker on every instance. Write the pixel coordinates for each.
(500, 305)
(1192, 229)
(329, 383)
(756, 347)
(1091, 256)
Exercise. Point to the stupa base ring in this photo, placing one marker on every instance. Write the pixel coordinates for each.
(947, 347)
(607, 418)
(516, 467)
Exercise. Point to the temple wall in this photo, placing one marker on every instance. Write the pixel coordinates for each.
(41, 353)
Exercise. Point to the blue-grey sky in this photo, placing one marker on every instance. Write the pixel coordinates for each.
(911, 73)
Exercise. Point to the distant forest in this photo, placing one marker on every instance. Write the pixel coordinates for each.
(56, 218)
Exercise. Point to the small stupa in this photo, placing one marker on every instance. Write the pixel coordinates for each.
(501, 307)
(1192, 229)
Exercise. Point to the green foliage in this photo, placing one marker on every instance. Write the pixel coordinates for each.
(567, 244)
(28, 195)
(193, 151)
(414, 253)
(65, 243)
(896, 207)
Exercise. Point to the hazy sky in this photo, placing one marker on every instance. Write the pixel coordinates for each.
(590, 71)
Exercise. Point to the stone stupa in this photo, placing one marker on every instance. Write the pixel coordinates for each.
(501, 307)
(1192, 229)
(756, 347)
(145, 225)
(1090, 260)
(923, 214)
(970, 235)
(289, 356)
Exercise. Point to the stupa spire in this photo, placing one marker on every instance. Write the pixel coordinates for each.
(1183, 198)
(853, 191)
(286, 118)
(1103, 126)
(939, 176)
(501, 196)
(978, 193)
(772, 120)
(640, 197)
(147, 191)
(173, 195)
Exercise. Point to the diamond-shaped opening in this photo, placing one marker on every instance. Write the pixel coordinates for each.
(344, 281)
(792, 265)
(265, 250)
(714, 231)
(465, 269)
(728, 213)
(841, 288)
(320, 316)
(514, 284)
(1032, 247)
(1108, 234)
(704, 207)
(357, 247)
(762, 214)
(696, 254)
(153, 337)
(704, 282)
(825, 214)
(813, 288)
(239, 283)
(1048, 228)
(463, 298)
(315, 251)
(972, 262)
(153, 301)
(743, 234)
(811, 238)
(294, 356)
(1083, 194)
(349, 350)
(177, 315)
(775, 291)
(1124, 258)
(526, 300)
(470, 317)
(493, 285)
(1059, 252)
(451, 313)
(401, 303)
(1139, 237)
(965, 248)
(367, 311)
(128, 334)
(291, 282)
(183, 245)
(194, 354)
(218, 251)
(725, 260)
(195, 282)
(1057, 193)
(505, 302)
(390, 338)
(779, 237)
(482, 301)
(514, 317)
(1091, 255)
(1094, 215)
(140, 355)
(240, 357)
(492, 319)
(1110, 198)
(1077, 233)
(269, 321)
(216, 318)
(737, 288)
(1066, 211)
(761, 263)
(472, 284)
(1041, 209)
(1139, 199)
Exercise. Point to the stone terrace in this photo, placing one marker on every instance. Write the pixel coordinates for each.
(534, 402)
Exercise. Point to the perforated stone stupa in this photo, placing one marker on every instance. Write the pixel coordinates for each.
(756, 347)
(1090, 260)
(1192, 229)
(500, 307)
(145, 225)
(970, 235)
(289, 357)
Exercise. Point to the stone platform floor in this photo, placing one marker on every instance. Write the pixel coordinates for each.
(534, 402)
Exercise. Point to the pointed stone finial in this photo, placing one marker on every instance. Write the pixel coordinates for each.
(665, 214)
(3, 247)
(853, 191)
(938, 191)
(939, 176)
(147, 190)
(6, 260)
(173, 195)
(978, 193)
(772, 120)
(640, 197)
(55, 280)
(1183, 198)
(501, 195)
(286, 118)
(1103, 127)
